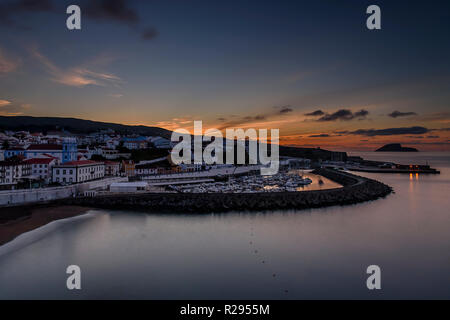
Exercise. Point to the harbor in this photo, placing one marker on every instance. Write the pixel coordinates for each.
(353, 189)
(289, 181)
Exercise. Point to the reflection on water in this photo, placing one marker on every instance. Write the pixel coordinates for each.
(316, 183)
(319, 253)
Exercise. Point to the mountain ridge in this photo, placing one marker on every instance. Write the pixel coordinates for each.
(75, 125)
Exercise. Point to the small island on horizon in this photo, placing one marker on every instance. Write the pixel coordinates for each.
(395, 147)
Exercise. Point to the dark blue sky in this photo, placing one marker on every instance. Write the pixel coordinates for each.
(233, 60)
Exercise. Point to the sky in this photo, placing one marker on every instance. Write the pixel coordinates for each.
(312, 69)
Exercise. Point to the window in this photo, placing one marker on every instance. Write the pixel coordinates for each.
(71, 171)
(57, 171)
(64, 171)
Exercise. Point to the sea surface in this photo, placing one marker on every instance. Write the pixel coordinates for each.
(317, 253)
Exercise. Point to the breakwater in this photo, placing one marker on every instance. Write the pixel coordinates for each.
(355, 189)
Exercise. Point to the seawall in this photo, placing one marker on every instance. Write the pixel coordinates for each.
(355, 189)
(47, 195)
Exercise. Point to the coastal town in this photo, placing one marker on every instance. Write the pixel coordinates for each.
(39, 167)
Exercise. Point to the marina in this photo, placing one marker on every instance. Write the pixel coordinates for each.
(290, 181)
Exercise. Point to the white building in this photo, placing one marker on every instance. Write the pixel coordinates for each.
(78, 171)
(135, 144)
(146, 169)
(41, 168)
(161, 143)
(11, 172)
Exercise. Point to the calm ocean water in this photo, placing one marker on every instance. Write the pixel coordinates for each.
(318, 253)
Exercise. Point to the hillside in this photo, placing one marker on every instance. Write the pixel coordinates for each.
(395, 147)
(39, 124)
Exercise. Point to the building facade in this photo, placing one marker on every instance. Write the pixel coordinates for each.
(112, 168)
(65, 152)
(146, 169)
(13, 172)
(41, 168)
(128, 168)
(78, 171)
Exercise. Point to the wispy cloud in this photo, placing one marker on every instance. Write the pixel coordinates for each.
(442, 117)
(75, 77)
(316, 113)
(115, 95)
(286, 109)
(4, 103)
(322, 135)
(116, 11)
(390, 131)
(343, 115)
(396, 114)
(10, 108)
(276, 115)
(7, 64)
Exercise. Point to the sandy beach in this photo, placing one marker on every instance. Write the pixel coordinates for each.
(17, 220)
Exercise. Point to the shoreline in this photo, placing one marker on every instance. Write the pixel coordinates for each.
(355, 189)
(24, 219)
(15, 221)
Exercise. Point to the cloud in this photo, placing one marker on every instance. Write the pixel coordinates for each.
(396, 114)
(343, 115)
(285, 110)
(255, 118)
(4, 103)
(432, 137)
(74, 77)
(9, 108)
(361, 114)
(117, 11)
(315, 113)
(7, 64)
(115, 95)
(11, 8)
(436, 117)
(390, 131)
(149, 33)
(323, 135)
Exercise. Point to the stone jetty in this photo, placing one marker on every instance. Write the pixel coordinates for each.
(355, 189)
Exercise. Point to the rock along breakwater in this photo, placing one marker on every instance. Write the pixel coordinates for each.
(355, 189)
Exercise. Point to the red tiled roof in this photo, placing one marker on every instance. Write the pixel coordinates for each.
(39, 160)
(49, 156)
(81, 163)
(112, 162)
(45, 147)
